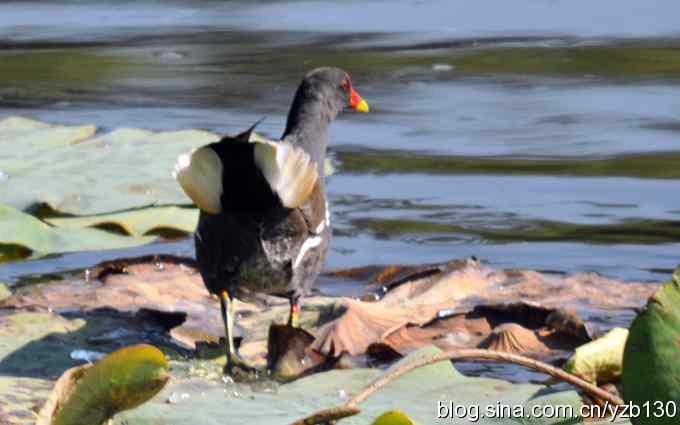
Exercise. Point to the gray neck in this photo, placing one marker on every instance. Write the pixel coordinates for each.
(308, 122)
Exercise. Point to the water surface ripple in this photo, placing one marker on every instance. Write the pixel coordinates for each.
(536, 136)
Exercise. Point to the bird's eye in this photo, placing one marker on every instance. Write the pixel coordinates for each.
(346, 84)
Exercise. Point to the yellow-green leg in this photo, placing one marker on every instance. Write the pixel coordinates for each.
(295, 311)
(238, 368)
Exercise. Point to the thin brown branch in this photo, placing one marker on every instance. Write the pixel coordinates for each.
(323, 416)
(475, 354)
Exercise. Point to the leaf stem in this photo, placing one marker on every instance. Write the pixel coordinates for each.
(350, 408)
(477, 354)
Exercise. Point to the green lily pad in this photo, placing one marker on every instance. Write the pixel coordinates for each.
(76, 172)
(651, 362)
(76, 180)
(36, 135)
(393, 417)
(139, 222)
(23, 384)
(23, 235)
(90, 395)
(36, 348)
(73, 172)
(416, 394)
(599, 361)
(190, 397)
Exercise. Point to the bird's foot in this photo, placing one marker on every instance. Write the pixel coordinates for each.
(242, 371)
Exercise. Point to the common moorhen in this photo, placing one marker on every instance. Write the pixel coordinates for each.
(264, 223)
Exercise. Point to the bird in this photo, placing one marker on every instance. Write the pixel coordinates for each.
(264, 221)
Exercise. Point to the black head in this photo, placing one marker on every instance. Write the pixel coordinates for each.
(333, 87)
(322, 95)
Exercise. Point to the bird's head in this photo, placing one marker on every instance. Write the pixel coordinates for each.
(333, 87)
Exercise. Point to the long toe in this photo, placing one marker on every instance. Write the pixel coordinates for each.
(242, 371)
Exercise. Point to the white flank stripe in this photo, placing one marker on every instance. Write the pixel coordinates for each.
(306, 246)
(328, 215)
(320, 227)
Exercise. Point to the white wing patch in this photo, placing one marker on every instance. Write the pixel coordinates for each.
(199, 172)
(308, 244)
(289, 170)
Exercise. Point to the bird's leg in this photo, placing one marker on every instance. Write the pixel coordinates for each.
(227, 308)
(236, 366)
(295, 310)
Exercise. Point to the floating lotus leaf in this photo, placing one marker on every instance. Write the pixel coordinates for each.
(48, 339)
(120, 381)
(599, 361)
(23, 235)
(416, 394)
(43, 338)
(119, 181)
(651, 362)
(74, 171)
(137, 222)
(393, 417)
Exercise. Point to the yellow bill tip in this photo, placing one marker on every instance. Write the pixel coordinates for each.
(362, 106)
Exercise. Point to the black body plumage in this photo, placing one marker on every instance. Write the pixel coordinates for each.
(253, 243)
(264, 224)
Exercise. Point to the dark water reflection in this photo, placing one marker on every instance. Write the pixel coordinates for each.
(530, 137)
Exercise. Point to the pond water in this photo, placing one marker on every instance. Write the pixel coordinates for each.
(469, 101)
